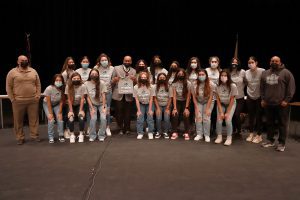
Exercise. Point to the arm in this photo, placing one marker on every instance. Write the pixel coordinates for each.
(221, 114)
(104, 102)
(187, 103)
(231, 102)
(138, 107)
(150, 106)
(174, 112)
(290, 89)
(38, 86)
(9, 87)
(48, 100)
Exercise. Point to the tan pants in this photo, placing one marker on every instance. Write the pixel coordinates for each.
(32, 110)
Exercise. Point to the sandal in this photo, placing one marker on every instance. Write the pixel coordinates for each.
(186, 136)
(174, 136)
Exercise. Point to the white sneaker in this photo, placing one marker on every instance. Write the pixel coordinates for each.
(207, 138)
(108, 132)
(198, 137)
(81, 137)
(219, 139)
(140, 136)
(257, 139)
(72, 138)
(102, 139)
(228, 141)
(150, 136)
(51, 140)
(91, 140)
(67, 133)
(250, 137)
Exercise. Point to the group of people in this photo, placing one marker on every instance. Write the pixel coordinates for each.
(207, 98)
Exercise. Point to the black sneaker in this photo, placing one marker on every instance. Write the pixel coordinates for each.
(61, 139)
(157, 135)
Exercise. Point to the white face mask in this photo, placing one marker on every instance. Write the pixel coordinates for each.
(252, 66)
(104, 63)
(224, 79)
(214, 65)
(193, 65)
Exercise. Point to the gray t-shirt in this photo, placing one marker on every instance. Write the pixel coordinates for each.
(253, 79)
(171, 79)
(79, 92)
(213, 75)
(224, 94)
(162, 95)
(53, 93)
(143, 93)
(200, 98)
(193, 78)
(65, 75)
(157, 71)
(91, 92)
(238, 78)
(179, 90)
(84, 73)
(106, 75)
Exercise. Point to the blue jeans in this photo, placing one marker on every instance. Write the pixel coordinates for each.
(108, 103)
(203, 121)
(101, 132)
(228, 120)
(140, 120)
(60, 123)
(166, 120)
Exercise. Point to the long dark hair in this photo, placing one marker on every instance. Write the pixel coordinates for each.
(189, 69)
(229, 81)
(238, 67)
(153, 66)
(97, 83)
(165, 84)
(62, 88)
(137, 68)
(185, 89)
(148, 79)
(207, 88)
(171, 71)
(71, 91)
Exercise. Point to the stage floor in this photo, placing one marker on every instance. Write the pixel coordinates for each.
(123, 167)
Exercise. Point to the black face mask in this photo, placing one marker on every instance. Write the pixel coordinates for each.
(274, 66)
(72, 66)
(24, 64)
(161, 82)
(143, 81)
(95, 78)
(234, 66)
(77, 82)
(181, 78)
(174, 69)
(126, 65)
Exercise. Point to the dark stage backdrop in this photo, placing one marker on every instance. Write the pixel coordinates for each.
(176, 30)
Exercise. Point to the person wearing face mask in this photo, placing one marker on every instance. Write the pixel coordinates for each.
(53, 105)
(238, 77)
(84, 71)
(23, 88)
(141, 66)
(226, 92)
(181, 104)
(143, 93)
(76, 92)
(277, 90)
(155, 68)
(96, 90)
(68, 68)
(253, 79)
(202, 97)
(106, 72)
(174, 67)
(163, 101)
(123, 102)
(213, 72)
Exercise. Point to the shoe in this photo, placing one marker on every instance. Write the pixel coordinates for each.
(20, 142)
(92, 139)
(174, 136)
(102, 139)
(121, 132)
(198, 137)
(108, 132)
(150, 136)
(81, 137)
(87, 133)
(166, 135)
(257, 139)
(37, 139)
(207, 138)
(140, 136)
(51, 140)
(268, 144)
(127, 132)
(219, 139)
(186, 136)
(250, 137)
(280, 147)
(228, 141)
(61, 139)
(67, 133)
(72, 138)
(157, 135)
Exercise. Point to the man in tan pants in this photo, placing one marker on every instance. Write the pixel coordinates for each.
(23, 88)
